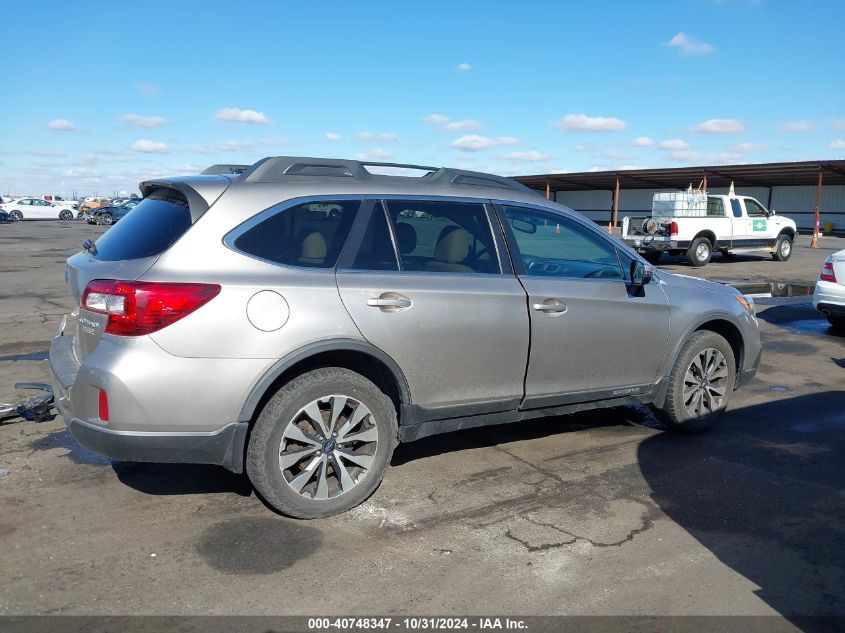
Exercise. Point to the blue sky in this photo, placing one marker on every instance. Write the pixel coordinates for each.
(100, 95)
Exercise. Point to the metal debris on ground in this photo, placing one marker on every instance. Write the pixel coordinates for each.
(38, 408)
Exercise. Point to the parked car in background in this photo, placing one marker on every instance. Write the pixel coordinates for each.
(111, 213)
(4, 217)
(317, 316)
(37, 209)
(59, 200)
(94, 203)
(829, 295)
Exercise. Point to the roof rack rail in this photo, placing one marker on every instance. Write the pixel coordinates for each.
(281, 168)
(223, 170)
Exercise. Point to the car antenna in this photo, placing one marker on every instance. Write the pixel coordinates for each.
(90, 246)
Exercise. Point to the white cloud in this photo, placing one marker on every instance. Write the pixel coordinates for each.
(333, 136)
(136, 120)
(445, 123)
(839, 124)
(464, 66)
(531, 156)
(377, 136)
(674, 144)
(436, 119)
(274, 142)
(582, 147)
(630, 167)
(150, 147)
(377, 153)
(242, 116)
(61, 125)
(476, 143)
(643, 141)
(747, 148)
(48, 152)
(797, 126)
(464, 125)
(584, 123)
(718, 126)
(688, 45)
(148, 90)
(837, 145)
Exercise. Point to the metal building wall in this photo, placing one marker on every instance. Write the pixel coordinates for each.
(797, 203)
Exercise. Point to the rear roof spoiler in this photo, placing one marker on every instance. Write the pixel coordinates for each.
(224, 170)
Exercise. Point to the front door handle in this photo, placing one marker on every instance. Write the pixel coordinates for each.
(390, 302)
(551, 306)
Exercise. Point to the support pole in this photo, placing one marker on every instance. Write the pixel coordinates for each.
(814, 243)
(615, 212)
(705, 182)
(548, 189)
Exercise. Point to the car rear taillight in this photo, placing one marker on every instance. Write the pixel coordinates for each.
(673, 228)
(135, 308)
(828, 274)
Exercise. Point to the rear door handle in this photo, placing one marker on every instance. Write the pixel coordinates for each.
(551, 306)
(390, 302)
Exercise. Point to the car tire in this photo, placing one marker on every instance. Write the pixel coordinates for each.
(66, 215)
(652, 258)
(286, 427)
(700, 252)
(836, 322)
(783, 248)
(687, 397)
(105, 218)
(15, 216)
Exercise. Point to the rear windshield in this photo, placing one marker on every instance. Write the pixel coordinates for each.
(147, 230)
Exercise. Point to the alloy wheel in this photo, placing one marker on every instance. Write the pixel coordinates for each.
(328, 447)
(705, 383)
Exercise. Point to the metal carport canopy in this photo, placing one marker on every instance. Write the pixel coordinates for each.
(750, 175)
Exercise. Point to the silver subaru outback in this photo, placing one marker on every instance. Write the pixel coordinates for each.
(297, 318)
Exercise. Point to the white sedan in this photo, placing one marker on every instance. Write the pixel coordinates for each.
(35, 209)
(829, 296)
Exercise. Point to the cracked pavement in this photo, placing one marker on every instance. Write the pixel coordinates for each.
(597, 513)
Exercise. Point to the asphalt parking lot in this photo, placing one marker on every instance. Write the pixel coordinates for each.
(599, 513)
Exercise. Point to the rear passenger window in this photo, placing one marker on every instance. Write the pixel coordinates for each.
(310, 235)
(443, 237)
(154, 225)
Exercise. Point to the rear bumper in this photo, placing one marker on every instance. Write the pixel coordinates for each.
(223, 446)
(650, 245)
(829, 296)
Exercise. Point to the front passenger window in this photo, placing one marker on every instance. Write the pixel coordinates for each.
(554, 246)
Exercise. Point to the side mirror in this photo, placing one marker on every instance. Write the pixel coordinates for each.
(771, 211)
(641, 274)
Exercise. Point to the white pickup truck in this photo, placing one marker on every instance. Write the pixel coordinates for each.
(696, 224)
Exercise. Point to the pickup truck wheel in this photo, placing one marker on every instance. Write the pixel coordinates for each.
(700, 252)
(701, 383)
(652, 258)
(322, 443)
(783, 248)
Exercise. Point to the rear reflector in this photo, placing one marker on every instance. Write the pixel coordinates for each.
(103, 407)
(673, 228)
(135, 308)
(828, 274)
